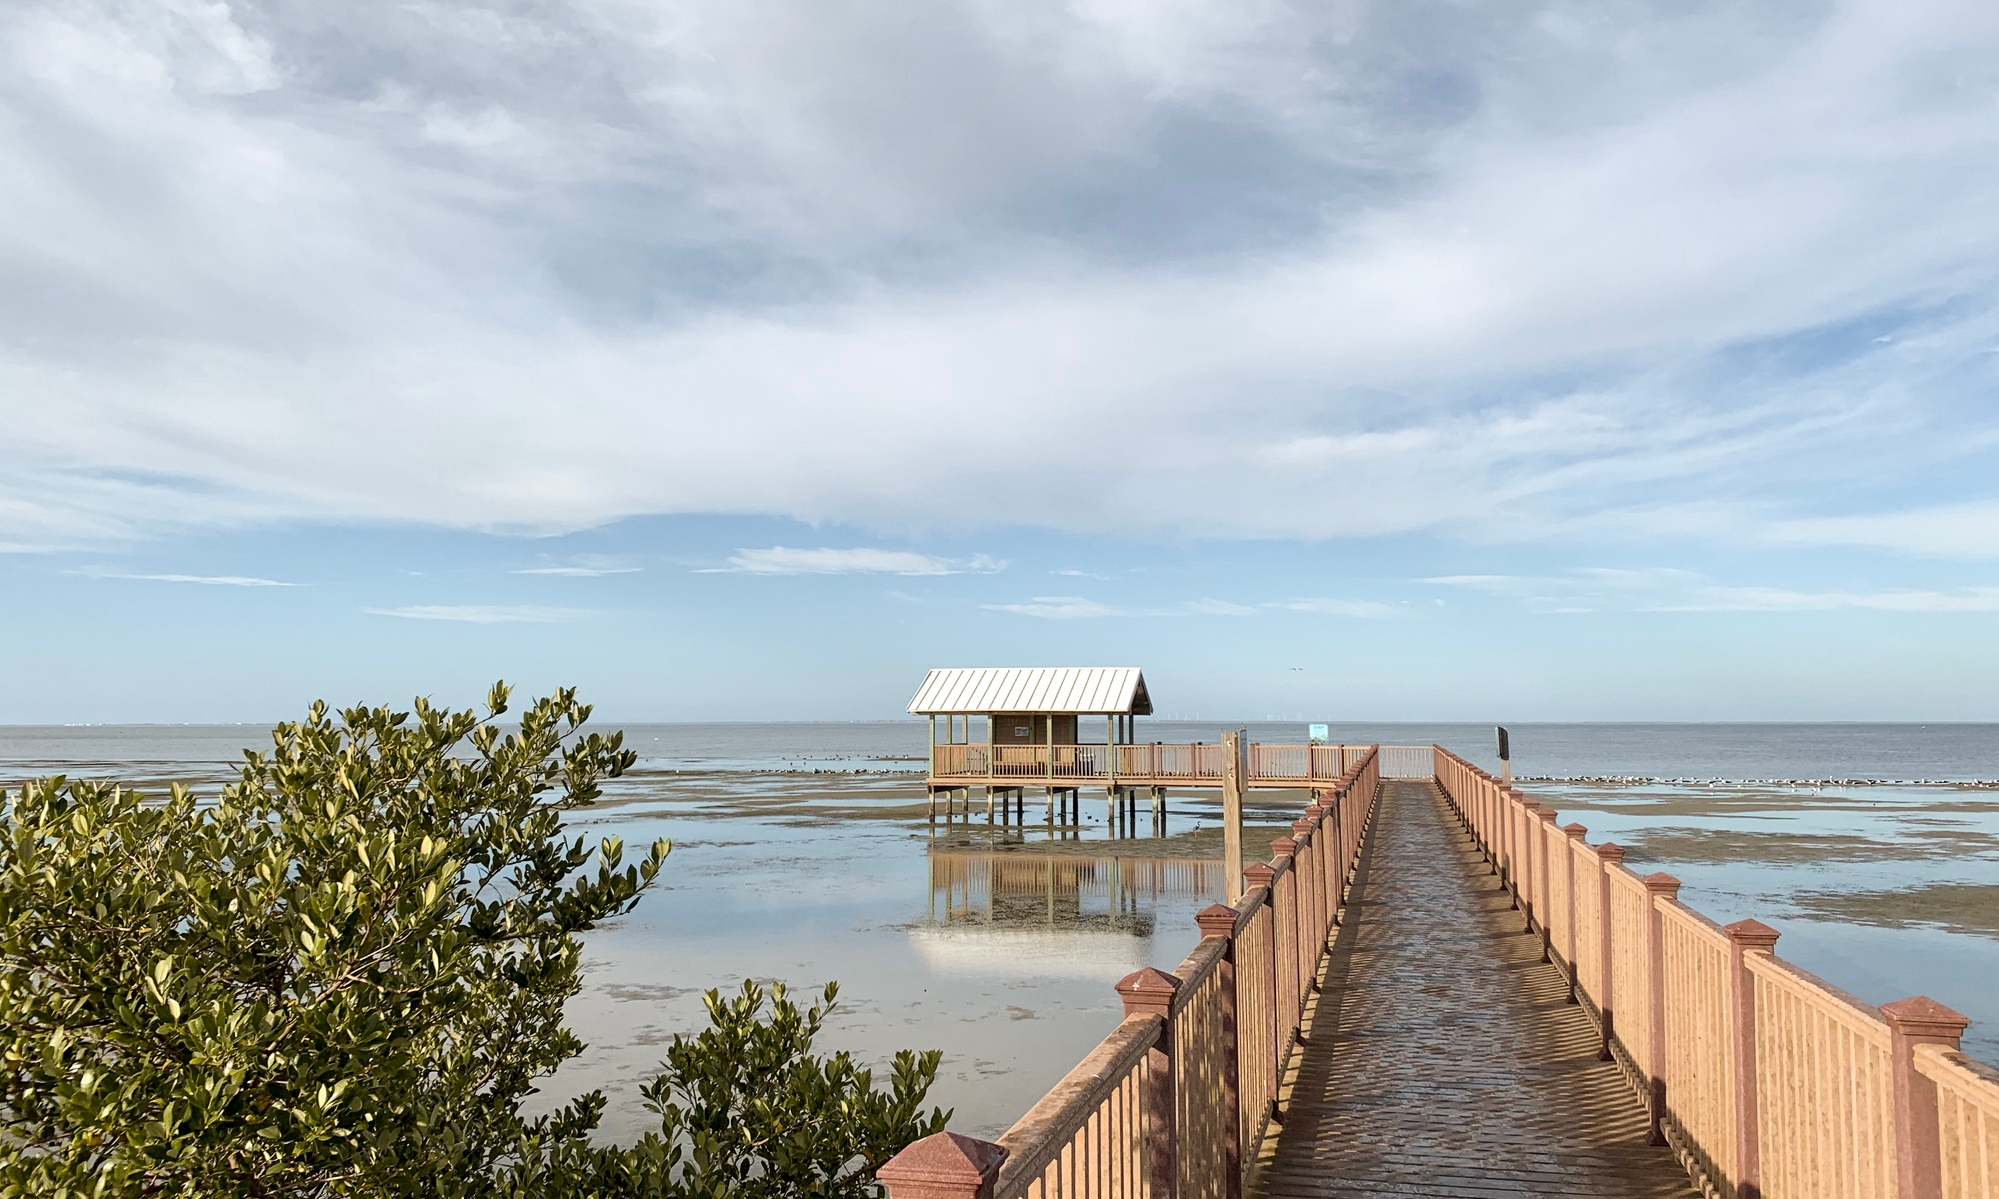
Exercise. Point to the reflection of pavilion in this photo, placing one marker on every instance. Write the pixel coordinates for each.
(1051, 914)
(1023, 890)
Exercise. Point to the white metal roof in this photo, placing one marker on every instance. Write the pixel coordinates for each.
(1084, 690)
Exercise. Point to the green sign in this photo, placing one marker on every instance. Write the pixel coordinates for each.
(1318, 732)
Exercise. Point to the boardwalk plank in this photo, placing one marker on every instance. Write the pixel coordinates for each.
(1443, 1058)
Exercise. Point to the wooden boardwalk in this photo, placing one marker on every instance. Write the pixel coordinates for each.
(1442, 1057)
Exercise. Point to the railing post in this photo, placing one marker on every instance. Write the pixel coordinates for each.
(1658, 888)
(1284, 854)
(1609, 856)
(1744, 938)
(1919, 1020)
(1254, 875)
(1576, 833)
(1219, 921)
(1544, 882)
(1530, 827)
(1315, 909)
(943, 1165)
(1232, 787)
(1150, 992)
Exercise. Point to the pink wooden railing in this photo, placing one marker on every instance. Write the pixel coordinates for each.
(1176, 1101)
(1194, 764)
(1766, 1081)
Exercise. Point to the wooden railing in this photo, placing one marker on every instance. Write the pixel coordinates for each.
(1176, 1101)
(1767, 1081)
(1157, 763)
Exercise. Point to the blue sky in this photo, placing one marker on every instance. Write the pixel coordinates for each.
(741, 360)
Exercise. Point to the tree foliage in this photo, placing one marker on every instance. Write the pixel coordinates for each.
(344, 975)
(746, 1109)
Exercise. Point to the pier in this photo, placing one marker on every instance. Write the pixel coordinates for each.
(1430, 989)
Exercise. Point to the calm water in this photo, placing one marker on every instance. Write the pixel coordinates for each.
(801, 854)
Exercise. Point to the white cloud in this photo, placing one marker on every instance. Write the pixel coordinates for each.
(1059, 607)
(1358, 609)
(780, 560)
(1215, 607)
(585, 566)
(484, 613)
(1946, 531)
(206, 580)
(1777, 599)
(1492, 272)
(1673, 590)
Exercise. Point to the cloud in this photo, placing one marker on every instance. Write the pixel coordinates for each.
(1946, 531)
(1059, 607)
(779, 560)
(206, 580)
(1673, 590)
(1492, 273)
(1076, 607)
(1358, 609)
(484, 613)
(1776, 599)
(585, 566)
(1215, 607)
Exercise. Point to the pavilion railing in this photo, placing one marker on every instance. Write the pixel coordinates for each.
(1187, 764)
(1175, 1103)
(1766, 1081)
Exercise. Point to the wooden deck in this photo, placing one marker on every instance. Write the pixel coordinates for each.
(1441, 1056)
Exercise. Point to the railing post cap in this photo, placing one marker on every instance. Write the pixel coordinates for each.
(1259, 874)
(1532, 805)
(1751, 934)
(943, 1164)
(1924, 1018)
(1148, 991)
(1301, 827)
(1575, 831)
(1610, 851)
(1283, 847)
(1217, 919)
(1547, 815)
(1662, 883)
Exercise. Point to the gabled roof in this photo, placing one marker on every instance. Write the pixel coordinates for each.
(1082, 690)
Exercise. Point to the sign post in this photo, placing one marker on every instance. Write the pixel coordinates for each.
(1505, 758)
(1234, 773)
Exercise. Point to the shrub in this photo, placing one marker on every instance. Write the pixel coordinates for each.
(343, 976)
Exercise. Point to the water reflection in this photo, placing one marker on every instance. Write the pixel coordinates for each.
(1052, 915)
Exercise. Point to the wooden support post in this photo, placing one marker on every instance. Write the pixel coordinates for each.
(1609, 856)
(1524, 884)
(1232, 781)
(1544, 882)
(1744, 938)
(1918, 1020)
(1261, 874)
(1219, 921)
(1658, 889)
(944, 1165)
(1151, 992)
(1576, 833)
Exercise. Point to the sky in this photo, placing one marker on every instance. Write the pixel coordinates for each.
(742, 359)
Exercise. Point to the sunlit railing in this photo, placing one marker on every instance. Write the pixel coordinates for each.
(1160, 764)
(1178, 1099)
(1764, 1079)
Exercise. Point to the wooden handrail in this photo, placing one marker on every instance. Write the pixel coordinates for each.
(1766, 1080)
(1180, 1095)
